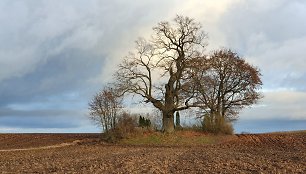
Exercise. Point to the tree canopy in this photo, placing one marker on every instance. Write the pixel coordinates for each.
(156, 70)
(172, 72)
(105, 107)
(225, 83)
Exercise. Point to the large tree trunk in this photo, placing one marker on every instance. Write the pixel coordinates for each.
(168, 122)
(168, 112)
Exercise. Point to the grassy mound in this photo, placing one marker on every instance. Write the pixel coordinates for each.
(184, 138)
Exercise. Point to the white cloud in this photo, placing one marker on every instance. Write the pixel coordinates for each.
(271, 35)
(280, 104)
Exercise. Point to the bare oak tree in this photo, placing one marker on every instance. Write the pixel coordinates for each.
(156, 71)
(225, 83)
(104, 109)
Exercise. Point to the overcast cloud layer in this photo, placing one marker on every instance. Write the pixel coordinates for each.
(55, 55)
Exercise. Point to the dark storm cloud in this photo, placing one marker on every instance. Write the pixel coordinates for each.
(38, 118)
(66, 72)
(34, 122)
(49, 58)
(62, 81)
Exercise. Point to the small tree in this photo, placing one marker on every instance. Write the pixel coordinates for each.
(144, 122)
(225, 84)
(177, 120)
(140, 121)
(105, 108)
(147, 122)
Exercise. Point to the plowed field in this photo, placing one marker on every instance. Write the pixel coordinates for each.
(83, 153)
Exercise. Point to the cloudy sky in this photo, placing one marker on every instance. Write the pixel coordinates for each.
(54, 55)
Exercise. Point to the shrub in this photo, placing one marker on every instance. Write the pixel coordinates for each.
(125, 127)
(227, 128)
(217, 125)
(144, 122)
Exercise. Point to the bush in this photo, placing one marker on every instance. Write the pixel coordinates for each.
(125, 127)
(227, 128)
(220, 125)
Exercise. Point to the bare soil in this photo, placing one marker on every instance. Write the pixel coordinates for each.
(83, 153)
(19, 141)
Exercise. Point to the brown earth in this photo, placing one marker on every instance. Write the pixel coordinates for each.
(19, 141)
(83, 153)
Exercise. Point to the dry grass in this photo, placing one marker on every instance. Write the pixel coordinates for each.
(179, 138)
